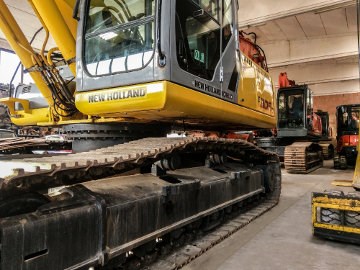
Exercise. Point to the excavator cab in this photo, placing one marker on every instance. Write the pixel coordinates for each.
(193, 44)
(132, 42)
(292, 114)
(151, 62)
(325, 122)
(347, 137)
(295, 114)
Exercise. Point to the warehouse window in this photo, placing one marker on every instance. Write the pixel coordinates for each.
(8, 64)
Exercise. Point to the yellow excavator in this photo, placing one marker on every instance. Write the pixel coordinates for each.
(129, 194)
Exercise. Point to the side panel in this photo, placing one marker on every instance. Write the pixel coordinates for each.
(63, 235)
(256, 89)
(230, 55)
(166, 101)
(32, 94)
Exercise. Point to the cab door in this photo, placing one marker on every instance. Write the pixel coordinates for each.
(196, 45)
(229, 72)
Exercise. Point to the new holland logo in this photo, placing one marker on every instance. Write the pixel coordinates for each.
(117, 95)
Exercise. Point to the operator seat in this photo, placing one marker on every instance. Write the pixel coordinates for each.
(99, 48)
(298, 108)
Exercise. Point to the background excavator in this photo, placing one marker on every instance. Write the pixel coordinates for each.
(300, 139)
(347, 137)
(143, 69)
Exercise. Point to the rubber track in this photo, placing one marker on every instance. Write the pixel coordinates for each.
(183, 256)
(33, 174)
(298, 159)
(327, 150)
(136, 153)
(190, 252)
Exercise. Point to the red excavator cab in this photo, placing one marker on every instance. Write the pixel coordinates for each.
(284, 81)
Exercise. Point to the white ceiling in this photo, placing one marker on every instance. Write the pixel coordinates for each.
(27, 21)
(308, 25)
(314, 41)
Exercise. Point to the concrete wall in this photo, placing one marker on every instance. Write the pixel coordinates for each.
(328, 103)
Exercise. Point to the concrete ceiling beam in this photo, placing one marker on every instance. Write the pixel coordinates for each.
(260, 11)
(336, 88)
(320, 72)
(292, 52)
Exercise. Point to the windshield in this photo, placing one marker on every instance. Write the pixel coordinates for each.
(119, 35)
(291, 110)
(348, 118)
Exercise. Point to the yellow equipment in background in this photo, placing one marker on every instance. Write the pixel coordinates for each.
(336, 215)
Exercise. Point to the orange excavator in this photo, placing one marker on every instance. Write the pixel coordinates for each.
(347, 137)
(299, 129)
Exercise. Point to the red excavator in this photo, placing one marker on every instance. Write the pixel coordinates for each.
(299, 129)
(347, 137)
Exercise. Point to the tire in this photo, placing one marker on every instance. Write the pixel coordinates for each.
(343, 163)
(336, 163)
(352, 219)
(331, 216)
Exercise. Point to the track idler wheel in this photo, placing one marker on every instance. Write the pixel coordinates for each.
(343, 163)
(336, 162)
(272, 173)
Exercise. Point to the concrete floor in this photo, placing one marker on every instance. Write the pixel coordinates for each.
(282, 238)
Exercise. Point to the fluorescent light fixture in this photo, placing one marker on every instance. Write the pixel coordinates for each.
(108, 35)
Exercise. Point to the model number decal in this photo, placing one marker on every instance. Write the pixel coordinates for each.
(265, 104)
(117, 95)
(212, 90)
